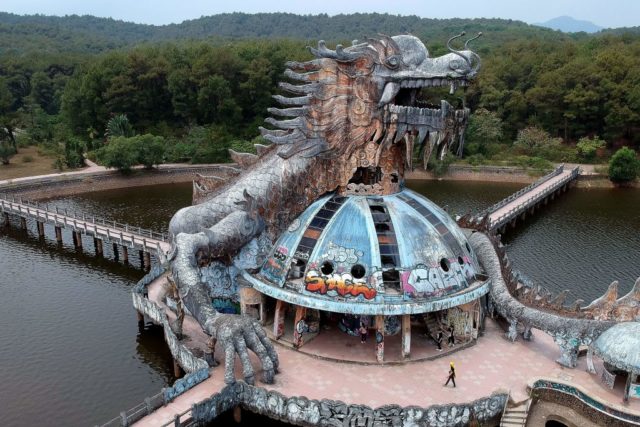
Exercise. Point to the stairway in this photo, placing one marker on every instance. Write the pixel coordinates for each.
(433, 325)
(516, 415)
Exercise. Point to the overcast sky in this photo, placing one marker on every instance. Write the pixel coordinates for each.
(606, 13)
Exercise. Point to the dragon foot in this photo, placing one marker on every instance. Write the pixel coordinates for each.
(237, 334)
(512, 333)
(527, 335)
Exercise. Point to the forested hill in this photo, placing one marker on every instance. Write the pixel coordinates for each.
(88, 34)
(205, 84)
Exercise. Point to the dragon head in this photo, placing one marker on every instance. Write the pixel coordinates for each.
(359, 107)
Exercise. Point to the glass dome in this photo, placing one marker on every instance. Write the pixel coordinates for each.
(347, 252)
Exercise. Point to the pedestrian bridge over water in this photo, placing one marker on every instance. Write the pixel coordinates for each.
(124, 235)
(507, 211)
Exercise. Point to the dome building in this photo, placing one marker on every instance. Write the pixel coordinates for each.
(383, 261)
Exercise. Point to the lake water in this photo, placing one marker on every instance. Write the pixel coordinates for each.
(72, 353)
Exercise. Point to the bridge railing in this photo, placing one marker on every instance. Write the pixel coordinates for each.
(507, 216)
(20, 205)
(522, 191)
(130, 416)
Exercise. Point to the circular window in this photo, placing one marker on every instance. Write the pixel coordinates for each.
(460, 260)
(358, 271)
(444, 264)
(326, 267)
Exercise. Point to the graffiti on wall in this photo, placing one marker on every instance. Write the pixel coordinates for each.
(379, 346)
(342, 255)
(424, 281)
(343, 285)
(276, 266)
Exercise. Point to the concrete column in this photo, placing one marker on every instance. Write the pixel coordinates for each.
(77, 239)
(177, 370)
(380, 338)
(116, 255)
(237, 414)
(627, 386)
(23, 222)
(299, 326)
(6, 218)
(147, 261)
(40, 229)
(125, 255)
(58, 234)
(97, 243)
(263, 313)
(278, 320)
(406, 336)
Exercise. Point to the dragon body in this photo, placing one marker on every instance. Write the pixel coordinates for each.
(352, 125)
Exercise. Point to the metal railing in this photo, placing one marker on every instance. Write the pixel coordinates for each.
(130, 416)
(507, 216)
(112, 230)
(178, 420)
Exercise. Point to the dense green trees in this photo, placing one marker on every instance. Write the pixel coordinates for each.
(123, 152)
(64, 78)
(624, 166)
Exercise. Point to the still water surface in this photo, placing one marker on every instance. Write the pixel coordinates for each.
(71, 350)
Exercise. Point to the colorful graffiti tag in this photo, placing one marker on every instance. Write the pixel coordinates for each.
(343, 285)
(276, 264)
(424, 281)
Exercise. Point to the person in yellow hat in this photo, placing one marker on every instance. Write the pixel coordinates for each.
(452, 375)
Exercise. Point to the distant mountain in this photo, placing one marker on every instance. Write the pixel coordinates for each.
(568, 24)
(21, 34)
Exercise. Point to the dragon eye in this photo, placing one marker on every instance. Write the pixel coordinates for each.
(392, 62)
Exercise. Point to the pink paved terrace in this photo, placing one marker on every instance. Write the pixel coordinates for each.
(492, 364)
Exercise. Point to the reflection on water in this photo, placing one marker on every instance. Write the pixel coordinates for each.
(72, 353)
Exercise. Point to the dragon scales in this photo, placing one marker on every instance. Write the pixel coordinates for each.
(351, 126)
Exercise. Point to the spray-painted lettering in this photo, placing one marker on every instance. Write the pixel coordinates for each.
(342, 284)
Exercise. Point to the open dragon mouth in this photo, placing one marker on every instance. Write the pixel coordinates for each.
(430, 127)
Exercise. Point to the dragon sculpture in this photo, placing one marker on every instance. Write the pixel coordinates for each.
(353, 125)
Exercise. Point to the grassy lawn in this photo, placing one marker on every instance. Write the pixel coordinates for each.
(20, 165)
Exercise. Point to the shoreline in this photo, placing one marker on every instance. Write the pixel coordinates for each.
(587, 178)
(95, 178)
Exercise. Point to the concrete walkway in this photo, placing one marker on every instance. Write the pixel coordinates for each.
(496, 215)
(492, 364)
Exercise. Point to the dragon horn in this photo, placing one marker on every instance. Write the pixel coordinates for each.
(466, 44)
(457, 52)
(473, 54)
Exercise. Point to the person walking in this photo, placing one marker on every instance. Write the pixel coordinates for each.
(452, 375)
(451, 341)
(439, 340)
(363, 333)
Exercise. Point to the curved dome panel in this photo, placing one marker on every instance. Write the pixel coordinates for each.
(399, 248)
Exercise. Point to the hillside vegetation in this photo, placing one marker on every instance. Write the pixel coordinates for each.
(204, 85)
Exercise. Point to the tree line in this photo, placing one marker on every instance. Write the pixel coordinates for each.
(203, 96)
